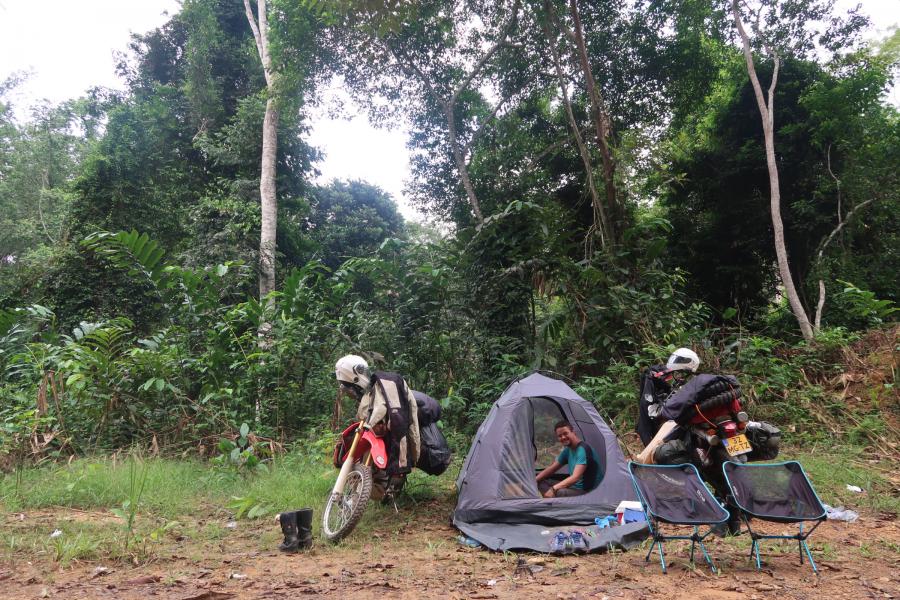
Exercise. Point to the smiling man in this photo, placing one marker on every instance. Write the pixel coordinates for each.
(584, 468)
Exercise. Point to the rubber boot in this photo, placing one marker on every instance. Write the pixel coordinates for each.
(290, 530)
(304, 526)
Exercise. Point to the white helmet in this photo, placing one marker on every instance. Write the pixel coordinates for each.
(683, 359)
(352, 370)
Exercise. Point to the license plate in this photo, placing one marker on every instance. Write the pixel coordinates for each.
(737, 445)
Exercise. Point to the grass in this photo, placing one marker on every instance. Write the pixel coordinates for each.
(189, 500)
(832, 468)
(181, 499)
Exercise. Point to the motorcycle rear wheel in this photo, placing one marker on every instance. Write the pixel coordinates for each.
(343, 511)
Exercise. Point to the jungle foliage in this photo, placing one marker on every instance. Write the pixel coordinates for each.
(583, 228)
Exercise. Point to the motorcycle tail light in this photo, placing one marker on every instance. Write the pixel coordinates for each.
(730, 429)
(742, 425)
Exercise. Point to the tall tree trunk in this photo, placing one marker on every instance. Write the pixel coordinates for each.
(600, 219)
(267, 196)
(602, 123)
(268, 200)
(267, 172)
(767, 115)
(460, 161)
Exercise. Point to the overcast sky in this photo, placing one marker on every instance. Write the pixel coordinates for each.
(67, 46)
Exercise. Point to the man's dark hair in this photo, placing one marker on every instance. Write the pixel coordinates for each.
(562, 424)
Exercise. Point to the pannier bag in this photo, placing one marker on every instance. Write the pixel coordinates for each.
(673, 452)
(428, 408)
(765, 439)
(434, 457)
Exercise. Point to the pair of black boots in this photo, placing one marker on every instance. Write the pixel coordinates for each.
(297, 529)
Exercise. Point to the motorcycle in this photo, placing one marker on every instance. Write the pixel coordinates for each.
(703, 422)
(361, 454)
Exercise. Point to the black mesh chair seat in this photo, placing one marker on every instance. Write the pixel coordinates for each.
(778, 492)
(675, 494)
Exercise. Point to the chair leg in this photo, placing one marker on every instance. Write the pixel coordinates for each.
(662, 560)
(650, 551)
(754, 550)
(809, 555)
(709, 561)
(693, 543)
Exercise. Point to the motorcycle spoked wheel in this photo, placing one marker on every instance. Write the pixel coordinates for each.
(343, 511)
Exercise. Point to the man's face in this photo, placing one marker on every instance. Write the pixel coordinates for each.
(565, 436)
(351, 390)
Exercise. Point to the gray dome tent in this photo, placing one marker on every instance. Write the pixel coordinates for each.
(499, 504)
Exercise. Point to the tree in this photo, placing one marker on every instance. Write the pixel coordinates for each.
(268, 199)
(38, 161)
(351, 218)
(787, 30)
(431, 61)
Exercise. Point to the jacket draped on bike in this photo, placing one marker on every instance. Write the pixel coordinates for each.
(389, 408)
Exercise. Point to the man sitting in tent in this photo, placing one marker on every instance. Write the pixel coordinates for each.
(584, 468)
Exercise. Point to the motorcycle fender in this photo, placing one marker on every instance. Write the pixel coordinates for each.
(375, 445)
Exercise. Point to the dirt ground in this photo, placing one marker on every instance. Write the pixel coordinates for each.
(413, 557)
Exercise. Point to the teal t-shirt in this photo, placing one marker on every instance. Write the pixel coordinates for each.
(579, 457)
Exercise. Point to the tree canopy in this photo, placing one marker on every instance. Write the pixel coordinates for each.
(593, 176)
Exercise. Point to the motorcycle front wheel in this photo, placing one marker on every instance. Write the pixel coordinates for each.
(343, 511)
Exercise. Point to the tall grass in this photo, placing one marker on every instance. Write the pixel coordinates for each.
(171, 488)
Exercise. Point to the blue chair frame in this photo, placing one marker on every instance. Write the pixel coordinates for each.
(653, 521)
(745, 513)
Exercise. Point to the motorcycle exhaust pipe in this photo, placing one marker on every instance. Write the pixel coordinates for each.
(710, 438)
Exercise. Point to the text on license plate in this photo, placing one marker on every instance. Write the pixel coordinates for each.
(737, 445)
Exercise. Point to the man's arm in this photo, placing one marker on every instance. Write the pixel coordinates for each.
(553, 468)
(577, 473)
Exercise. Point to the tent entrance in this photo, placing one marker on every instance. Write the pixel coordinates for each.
(530, 445)
(546, 413)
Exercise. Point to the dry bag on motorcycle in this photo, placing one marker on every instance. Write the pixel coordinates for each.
(434, 456)
(702, 388)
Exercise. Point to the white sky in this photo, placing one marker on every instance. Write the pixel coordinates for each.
(68, 45)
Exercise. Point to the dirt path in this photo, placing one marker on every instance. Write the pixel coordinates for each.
(417, 559)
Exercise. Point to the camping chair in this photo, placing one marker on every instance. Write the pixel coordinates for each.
(675, 494)
(778, 492)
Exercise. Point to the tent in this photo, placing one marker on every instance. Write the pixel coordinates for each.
(499, 504)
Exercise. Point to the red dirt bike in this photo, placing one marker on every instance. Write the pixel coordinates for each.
(360, 456)
(713, 429)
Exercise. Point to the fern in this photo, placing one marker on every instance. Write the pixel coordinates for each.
(133, 251)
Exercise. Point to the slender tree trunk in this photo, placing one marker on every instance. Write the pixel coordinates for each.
(267, 196)
(460, 161)
(600, 220)
(767, 115)
(267, 192)
(268, 200)
(601, 119)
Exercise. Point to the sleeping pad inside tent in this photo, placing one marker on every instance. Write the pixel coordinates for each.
(499, 504)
